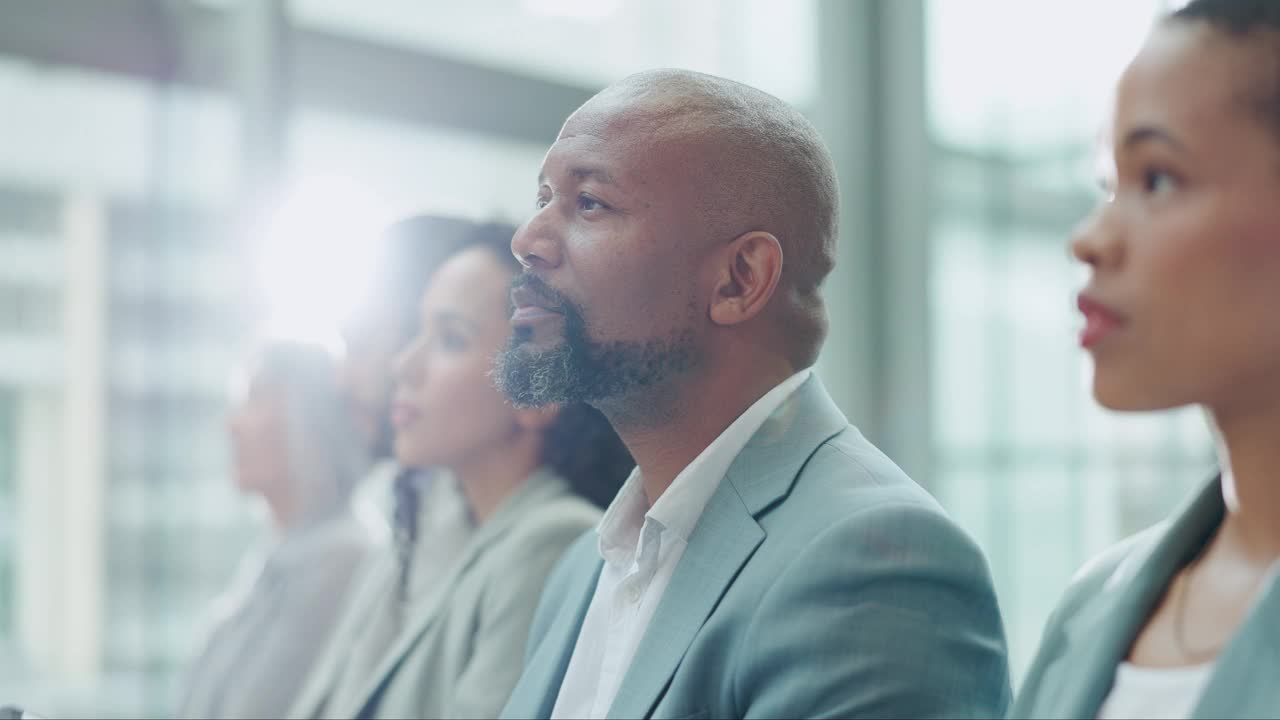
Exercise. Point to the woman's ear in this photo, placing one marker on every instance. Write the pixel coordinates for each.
(750, 267)
(537, 419)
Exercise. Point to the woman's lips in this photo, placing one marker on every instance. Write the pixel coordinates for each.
(1100, 321)
(404, 415)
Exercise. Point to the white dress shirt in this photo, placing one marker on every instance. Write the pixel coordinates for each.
(641, 547)
(1144, 692)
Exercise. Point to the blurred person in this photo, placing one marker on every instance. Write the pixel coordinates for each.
(764, 559)
(418, 516)
(384, 320)
(1182, 619)
(532, 480)
(295, 448)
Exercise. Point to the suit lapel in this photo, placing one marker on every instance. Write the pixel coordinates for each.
(320, 688)
(1238, 687)
(539, 687)
(724, 539)
(534, 489)
(1099, 637)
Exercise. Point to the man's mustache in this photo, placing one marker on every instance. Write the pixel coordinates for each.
(551, 298)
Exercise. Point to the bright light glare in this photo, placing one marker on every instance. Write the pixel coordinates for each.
(315, 256)
(584, 9)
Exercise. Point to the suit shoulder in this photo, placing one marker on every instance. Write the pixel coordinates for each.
(848, 477)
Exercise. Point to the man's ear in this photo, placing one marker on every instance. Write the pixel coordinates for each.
(748, 271)
(537, 419)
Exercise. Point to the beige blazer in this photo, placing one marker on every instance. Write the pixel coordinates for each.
(460, 654)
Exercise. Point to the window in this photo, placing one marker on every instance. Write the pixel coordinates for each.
(1028, 463)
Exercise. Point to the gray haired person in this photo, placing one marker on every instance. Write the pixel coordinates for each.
(295, 447)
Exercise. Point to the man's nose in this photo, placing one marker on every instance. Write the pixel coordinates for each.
(537, 243)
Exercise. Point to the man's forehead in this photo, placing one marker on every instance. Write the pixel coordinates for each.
(613, 158)
(580, 157)
(622, 148)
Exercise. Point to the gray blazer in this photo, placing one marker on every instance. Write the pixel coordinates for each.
(460, 655)
(820, 581)
(1108, 604)
(257, 659)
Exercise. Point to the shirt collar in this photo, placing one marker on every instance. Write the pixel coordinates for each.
(677, 510)
(619, 529)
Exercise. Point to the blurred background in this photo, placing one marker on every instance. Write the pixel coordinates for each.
(142, 142)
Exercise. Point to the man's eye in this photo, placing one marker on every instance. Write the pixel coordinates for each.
(540, 202)
(586, 202)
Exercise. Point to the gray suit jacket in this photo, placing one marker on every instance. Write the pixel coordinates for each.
(258, 658)
(820, 581)
(460, 655)
(1107, 606)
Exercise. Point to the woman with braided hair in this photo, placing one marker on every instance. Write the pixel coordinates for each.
(526, 483)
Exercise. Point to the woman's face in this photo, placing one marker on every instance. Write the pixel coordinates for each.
(366, 378)
(447, 409)
(1184, 293)
(259, 441)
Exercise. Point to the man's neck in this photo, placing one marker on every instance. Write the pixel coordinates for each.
(697, 410)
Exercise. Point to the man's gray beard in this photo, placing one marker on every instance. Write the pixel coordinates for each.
(580, 370)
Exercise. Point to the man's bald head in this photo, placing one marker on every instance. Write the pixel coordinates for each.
(753, 162)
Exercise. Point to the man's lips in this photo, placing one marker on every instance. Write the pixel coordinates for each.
(531, 306)
(532, 313)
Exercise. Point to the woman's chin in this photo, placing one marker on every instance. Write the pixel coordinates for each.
(411, 454)
(1130, 396)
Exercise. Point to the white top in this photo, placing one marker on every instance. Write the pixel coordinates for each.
(641, 546)
(1146, 692)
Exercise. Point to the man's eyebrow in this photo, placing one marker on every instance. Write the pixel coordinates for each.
(584, 172)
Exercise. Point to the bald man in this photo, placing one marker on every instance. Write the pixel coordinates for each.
(764, 559)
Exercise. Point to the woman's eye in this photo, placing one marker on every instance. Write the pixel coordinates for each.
(453, 341)
(1159, 181)
(541, 202)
